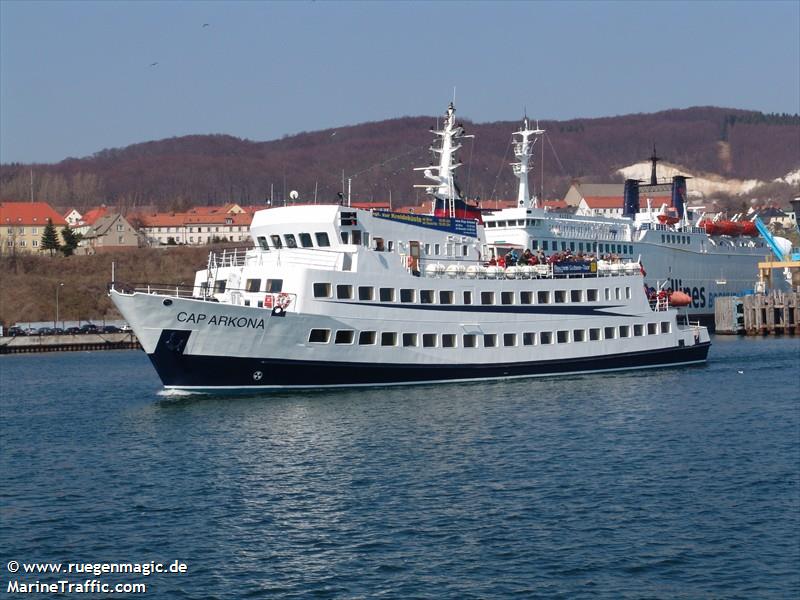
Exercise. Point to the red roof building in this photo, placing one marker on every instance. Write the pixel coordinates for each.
(22, 225)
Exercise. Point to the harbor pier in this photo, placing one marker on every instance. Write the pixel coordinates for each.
(66, 343)
(775, 313)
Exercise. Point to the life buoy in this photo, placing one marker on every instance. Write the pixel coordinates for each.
(282, 300)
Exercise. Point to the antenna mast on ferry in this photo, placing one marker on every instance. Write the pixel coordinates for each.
(523, 150)
(445, 187)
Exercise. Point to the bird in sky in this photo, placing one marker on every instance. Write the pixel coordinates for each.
(205, 25)
(155, 64)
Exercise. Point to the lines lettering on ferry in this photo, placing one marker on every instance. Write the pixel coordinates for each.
(221, 320)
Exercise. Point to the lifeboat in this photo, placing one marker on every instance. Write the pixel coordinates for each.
(731, 228)
(680, 299)
(711, 227)
(749, 228)
(667, 219)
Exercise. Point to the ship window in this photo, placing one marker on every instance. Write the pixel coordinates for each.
(591, 295)
(575, 295)
(490, 224)
(562, 336)
(489, 340)
(609, 333)
(607, 294)
(467, 297)
(487, 297)
(344, 292)
(349, 219)
(624, 331)
(563, 246)
(594, 334)
(429, 340)
(290, 241)
(509, 339)
(580, 247)
(560, 296)
(276, 241)
(366, 293)
(507, 297)
(219, 286)
(526, 297)
(546, 337)
(344, 336)
(448, 340)
(305, 240)
(345, 237)
(464, 250)
(253, 285)
(356, 237)
(436, 249)
(319, 336)
(388, 338)
(262, 242)
(544, 244)
(366, 338)
(409, 339)
(407, 295)
(322, 239)
(628, 292)
(617, 293)
(366, 239)
(427, 249)
(322, 290)
(445, 297)
(579, 335)
(387, 294)
(572, 246)
(469, 340)
(529, 338)
(665, 328)
(638, 330)
(274, 286)
(543, 297)
(426, 296)
(390, 246)
(652, 329)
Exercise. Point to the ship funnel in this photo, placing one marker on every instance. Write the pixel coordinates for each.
(630, 205)
(679, 194)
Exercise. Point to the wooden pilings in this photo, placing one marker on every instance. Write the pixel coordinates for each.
(775, 313)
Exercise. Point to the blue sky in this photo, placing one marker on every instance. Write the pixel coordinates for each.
(76, 77)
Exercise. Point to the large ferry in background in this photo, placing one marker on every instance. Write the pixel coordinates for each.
(677, 247)
(330, 295)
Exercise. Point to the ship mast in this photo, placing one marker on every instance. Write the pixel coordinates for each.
(443, 176)
(523, 150)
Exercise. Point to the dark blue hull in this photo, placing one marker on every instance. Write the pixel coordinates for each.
(208, 372)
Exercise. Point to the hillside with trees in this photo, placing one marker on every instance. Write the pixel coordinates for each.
(176, 173)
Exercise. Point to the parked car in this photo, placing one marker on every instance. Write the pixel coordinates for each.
(58, 331)
(45, 331)
(73, 331)
(110, 329)
(15, 331)
(89, 328)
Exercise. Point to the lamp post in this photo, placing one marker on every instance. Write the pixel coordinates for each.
(58, 287)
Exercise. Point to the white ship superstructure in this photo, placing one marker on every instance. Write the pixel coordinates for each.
(678, 252)
(335, 296)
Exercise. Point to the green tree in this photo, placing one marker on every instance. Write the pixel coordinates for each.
(71, 240)
(50, 238)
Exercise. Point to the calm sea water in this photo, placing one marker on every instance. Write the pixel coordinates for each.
(679, 483)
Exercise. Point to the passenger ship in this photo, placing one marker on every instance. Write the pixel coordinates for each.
(704, 259)
(333, 296)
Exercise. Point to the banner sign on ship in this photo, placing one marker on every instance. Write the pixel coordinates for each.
(465, 227)
(564, 268)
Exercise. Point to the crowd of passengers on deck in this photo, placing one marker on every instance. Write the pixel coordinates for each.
(513, 258)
